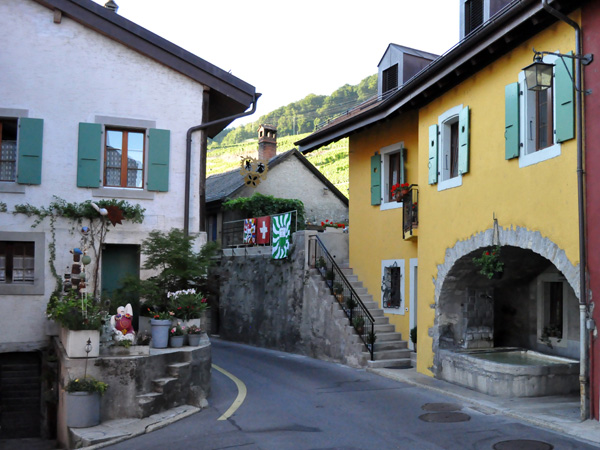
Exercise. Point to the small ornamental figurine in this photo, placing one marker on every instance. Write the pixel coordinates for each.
(122, 324)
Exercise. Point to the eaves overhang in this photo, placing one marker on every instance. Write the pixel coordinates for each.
(229, 95)
(514, 24)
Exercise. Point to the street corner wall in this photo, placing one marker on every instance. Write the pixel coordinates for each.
(279, 305)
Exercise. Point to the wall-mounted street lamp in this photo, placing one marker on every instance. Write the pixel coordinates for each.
(539, 74)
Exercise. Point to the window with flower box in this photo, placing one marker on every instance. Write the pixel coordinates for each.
(387, 170)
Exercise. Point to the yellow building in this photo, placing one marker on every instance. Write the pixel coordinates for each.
(492, 166)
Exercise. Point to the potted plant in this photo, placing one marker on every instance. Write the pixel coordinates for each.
(413, 337)
(338, 290)
(489, 263)
(83, 401)
(371, 338)
(160, 324)
(188, 305)
(359, 324)
(329, 276)
(399, 190)
(351, 303)
(176, 335)
(80, 317)
(321, 265)
(194, 334)
(330, 225)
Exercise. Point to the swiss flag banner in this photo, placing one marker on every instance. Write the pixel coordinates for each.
(263, 230)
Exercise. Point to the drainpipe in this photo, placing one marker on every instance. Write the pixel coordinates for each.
(188, 163)
(583, 355)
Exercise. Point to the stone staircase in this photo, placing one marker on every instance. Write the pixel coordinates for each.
(166, 391)
(390, 351)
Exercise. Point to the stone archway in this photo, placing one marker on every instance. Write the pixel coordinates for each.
(457, 284)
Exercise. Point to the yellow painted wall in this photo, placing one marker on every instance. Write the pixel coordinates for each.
(541, 197)
(376, 235)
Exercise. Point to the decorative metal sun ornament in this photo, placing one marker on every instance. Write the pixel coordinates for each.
(253, 170)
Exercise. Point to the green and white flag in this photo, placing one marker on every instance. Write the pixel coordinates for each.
(281, 235)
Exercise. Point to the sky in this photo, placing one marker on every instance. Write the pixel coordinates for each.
(289, 49)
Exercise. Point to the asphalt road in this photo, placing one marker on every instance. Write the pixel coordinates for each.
(294, 402)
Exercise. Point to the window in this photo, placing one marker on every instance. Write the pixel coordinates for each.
(387, 169)
(392, 286)
(124, 158)
(552, 293)
(390, 78)
(536, 122)
(22, 263)
(473, 14)
(20, 150)
(132, 157)
(17, 262)
(449, 148)
(8, 149)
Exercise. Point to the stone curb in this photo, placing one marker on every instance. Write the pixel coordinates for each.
(149, 427)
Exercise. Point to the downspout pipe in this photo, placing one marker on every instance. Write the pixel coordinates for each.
(188, 160)
(583, 306)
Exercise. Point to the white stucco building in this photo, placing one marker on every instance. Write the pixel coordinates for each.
(94, 107)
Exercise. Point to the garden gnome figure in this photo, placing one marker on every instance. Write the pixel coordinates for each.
(122, 324)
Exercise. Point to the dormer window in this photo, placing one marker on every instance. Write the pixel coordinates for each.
(390, 78)
(473, 14)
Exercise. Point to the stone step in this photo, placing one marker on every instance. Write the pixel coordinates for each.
(384, 328)
(150, 403)
(391, 345)
(175, 369)
(347, 271)
(388, 363)
(361, 291)
(160, 385)
(352, 279)
(385, 337)
(382, 320)
(391, 354)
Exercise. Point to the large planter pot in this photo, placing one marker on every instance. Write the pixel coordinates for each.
(176, 341)
(74, 342)
(194, 340)
(160, 333)
(83, 409)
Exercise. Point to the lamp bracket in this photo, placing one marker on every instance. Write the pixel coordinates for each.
(585, 59)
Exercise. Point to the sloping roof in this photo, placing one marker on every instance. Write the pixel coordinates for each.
(229, 95)
(409, 51)
(512, 25)
(224, 185)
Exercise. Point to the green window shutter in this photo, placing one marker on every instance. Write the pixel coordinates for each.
(159, 143)
(565, 99)
(31, 134)
(433, 154)
(511, 121)
(89, 149)
(463, 141)
(376, 180)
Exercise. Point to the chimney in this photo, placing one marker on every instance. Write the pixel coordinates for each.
(267, 142)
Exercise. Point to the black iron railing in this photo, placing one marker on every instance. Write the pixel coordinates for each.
(410, 206)
(358, 314)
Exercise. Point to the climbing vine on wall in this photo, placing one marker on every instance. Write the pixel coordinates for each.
(77, 213)
(266, 205)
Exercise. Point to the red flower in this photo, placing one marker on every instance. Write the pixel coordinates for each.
(322, 224)
(179, 307)
(487, 253)
(340, 225)
(156, 316)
